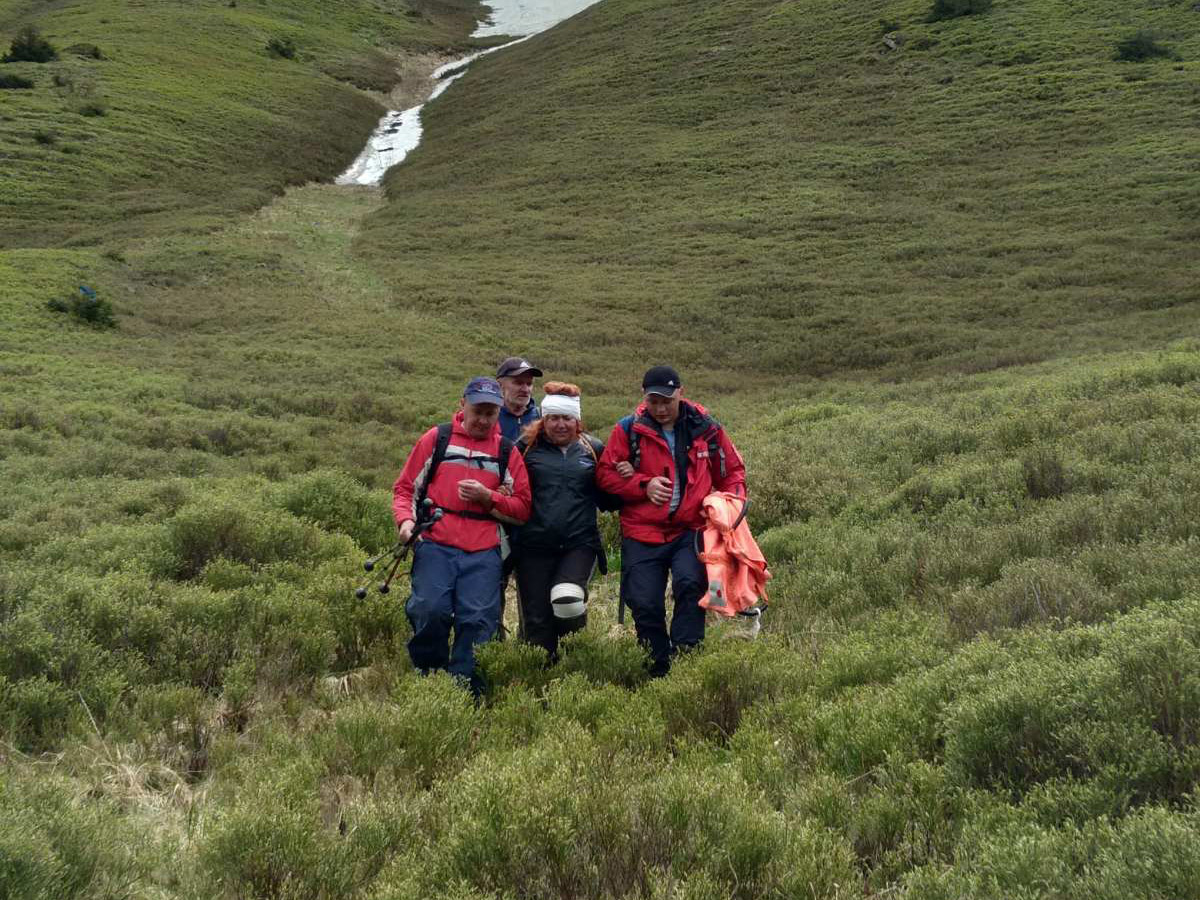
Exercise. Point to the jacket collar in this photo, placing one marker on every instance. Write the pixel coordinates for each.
(528, 410)
(693, 417)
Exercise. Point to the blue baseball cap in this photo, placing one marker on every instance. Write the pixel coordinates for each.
(483, 390)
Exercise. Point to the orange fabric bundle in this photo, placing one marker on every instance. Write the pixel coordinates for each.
(737, 570)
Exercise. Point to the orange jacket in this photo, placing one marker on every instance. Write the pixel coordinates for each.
(737, 570)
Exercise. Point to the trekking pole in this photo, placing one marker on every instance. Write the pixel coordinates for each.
(369, 564)
(399, 552)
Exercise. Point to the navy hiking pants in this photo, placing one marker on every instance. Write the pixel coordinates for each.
(452, 589)
(644, 570)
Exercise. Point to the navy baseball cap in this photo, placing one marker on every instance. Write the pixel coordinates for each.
(483, 390)
(661, 380)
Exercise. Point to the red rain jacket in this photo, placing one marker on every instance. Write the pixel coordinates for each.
(737, 570)
(644, 521)
(467, 526)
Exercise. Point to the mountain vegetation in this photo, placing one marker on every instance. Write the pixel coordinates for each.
(935, 273)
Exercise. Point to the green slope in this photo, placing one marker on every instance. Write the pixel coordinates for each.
(188, 118)
(996, 190)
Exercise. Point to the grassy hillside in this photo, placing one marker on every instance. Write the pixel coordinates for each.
(953, 285)
(187, 116)
(997, 188)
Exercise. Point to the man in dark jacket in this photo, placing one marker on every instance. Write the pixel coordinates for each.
(516, 376)
(662, 462)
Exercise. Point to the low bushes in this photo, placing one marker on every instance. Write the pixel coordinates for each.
(282, 47)
(709, 692)
(338, 503)
(278, 839)
(54, 846)
(952, 9)
(85, 306)
(30, 46)
(424, 734)
(1004, 853)
(232, 530)
(1141, 45)
(85, 51)
(560, 818)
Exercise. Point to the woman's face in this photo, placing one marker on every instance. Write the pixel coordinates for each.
(560, 430)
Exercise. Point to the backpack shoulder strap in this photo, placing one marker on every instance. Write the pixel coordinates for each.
(590, 445)
(439, 453)
(506, 446)
(635, 441)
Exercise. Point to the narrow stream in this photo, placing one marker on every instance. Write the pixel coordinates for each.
(399, 131)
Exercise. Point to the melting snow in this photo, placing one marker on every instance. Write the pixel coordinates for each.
(399, 131)
(527, 16)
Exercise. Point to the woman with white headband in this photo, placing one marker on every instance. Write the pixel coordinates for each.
(558, 548)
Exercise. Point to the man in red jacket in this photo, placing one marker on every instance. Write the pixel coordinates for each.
(663, 461)
(456, 573)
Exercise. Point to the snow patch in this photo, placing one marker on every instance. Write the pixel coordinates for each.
(399, 132)
(527, 16)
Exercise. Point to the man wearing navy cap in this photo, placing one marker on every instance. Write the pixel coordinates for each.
(662, 461)
(477, 478)
(516, 376)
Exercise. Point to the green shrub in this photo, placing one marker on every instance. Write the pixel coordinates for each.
(85, 51)
(338, 503)
(1045, 477)
(15, 83)
(1029, 592)
(242, 532)
(426, 734)
(603, 659)
(178, 725)
(30, 46)
(371, 71)
(93, 109)
(1003, 853)
(1141, 45)
(283, 48)
(952, 9)
(283, 838)
(560, 818)
(57, 844)
(1115, 704)
(86, 306)
(508, 664)
(438, 719)
(35, 712)
(710, 689)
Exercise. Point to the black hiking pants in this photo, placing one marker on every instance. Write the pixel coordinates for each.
(552, 587)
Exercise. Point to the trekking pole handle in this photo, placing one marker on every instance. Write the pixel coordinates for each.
(742, 515)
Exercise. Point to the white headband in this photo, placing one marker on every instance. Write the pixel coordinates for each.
(561, 405)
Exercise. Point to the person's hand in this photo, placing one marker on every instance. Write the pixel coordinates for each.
(473, 491)
(658, 489)
(624, 468)
(406, 530)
